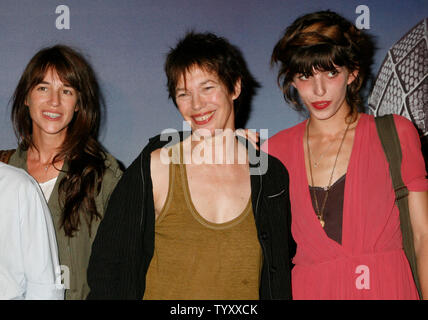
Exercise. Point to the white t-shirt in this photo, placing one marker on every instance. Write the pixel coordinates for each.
(29, 267)
(47, 188)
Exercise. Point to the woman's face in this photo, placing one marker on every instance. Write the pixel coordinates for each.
(52, 105)
(204, 101)
(324, 92)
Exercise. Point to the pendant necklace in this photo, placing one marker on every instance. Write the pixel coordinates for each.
(316, 163)
(320, 213)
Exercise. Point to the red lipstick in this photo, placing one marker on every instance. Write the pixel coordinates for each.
(320, 105)
(203, 118)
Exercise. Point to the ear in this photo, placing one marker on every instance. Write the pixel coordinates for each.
(76, 108)
(352, 76)
(237, 90)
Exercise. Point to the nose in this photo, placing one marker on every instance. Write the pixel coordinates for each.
(197, 101)
(55, 98)
(319, 86)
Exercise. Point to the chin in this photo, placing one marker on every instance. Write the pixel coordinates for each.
(210, 132)
(324, 114)
(203, 132)
(321, 115)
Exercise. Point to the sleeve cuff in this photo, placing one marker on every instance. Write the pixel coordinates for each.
(418, 185)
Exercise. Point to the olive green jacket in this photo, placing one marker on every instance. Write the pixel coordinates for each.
(74, 252)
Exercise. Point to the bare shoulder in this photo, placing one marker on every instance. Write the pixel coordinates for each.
(159, 161)
(159, 171)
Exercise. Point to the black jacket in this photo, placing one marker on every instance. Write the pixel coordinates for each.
(124, 244)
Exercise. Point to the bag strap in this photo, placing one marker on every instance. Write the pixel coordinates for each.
(391, 146)
(5, 155)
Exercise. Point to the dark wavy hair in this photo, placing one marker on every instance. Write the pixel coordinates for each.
(215, 54)
(320, 41)
(81, 150)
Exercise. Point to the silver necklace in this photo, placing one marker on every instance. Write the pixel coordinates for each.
(317, 162)
(320, 211)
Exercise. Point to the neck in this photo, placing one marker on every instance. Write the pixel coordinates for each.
(333, 125)
(45, 148)
(221, 148)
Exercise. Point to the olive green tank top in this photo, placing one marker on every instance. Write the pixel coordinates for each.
(195, 259)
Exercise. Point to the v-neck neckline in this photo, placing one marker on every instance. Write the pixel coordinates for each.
(331, 187)
(349, 176)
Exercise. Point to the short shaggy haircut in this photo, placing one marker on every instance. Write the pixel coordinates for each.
(319, 41)
(214, 54)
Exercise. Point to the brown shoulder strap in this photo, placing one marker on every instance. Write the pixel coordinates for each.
(391, 145)
(5, 155)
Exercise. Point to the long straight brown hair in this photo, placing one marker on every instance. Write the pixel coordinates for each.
(81, 150)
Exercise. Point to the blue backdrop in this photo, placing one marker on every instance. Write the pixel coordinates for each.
(126, 42)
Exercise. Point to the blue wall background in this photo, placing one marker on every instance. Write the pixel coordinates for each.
(126, 42)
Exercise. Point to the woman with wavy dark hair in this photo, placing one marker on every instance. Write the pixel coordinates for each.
(56, 116)
(344, 217)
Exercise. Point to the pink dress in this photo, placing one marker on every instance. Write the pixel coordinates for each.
(370, 263)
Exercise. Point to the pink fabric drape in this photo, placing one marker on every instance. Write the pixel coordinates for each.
(370, 263)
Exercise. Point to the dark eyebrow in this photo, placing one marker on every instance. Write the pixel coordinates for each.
(65, 84)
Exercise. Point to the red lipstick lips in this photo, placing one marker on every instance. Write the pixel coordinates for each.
(320, 104)
(203, 118)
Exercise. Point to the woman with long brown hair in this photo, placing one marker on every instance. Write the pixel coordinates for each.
(344, 217)
(56, 116)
